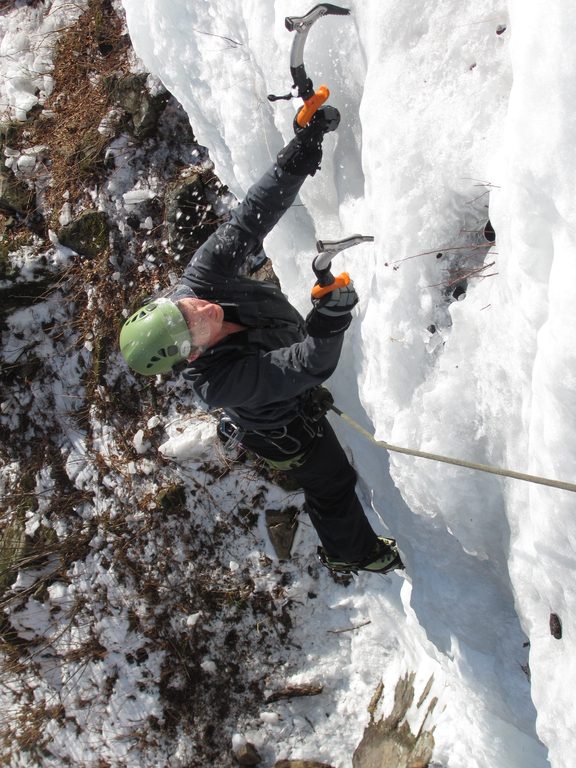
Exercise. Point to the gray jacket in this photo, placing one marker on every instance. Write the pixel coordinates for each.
(257, 376)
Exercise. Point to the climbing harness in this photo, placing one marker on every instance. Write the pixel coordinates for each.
(313, 100)
(286, 447)
(456, 462)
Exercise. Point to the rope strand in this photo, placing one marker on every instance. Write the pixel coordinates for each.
(456, 462)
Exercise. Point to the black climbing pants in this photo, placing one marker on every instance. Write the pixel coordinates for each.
(329, 484)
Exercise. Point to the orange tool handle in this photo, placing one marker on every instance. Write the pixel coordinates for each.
(341, 281)
(311, 106)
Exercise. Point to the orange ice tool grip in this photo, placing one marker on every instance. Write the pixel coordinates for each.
(311, 106)
(341, 281)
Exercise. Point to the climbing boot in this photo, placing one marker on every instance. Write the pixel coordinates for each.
(384, 558)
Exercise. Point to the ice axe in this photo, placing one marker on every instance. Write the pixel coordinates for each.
(313, 100)
(322, 263)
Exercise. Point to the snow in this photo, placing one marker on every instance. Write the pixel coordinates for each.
(451, 113)
(27, 36)
(445, 108)
(137, 196)
(187, 441)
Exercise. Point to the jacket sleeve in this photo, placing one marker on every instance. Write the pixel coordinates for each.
(227, 249)
(259, 378)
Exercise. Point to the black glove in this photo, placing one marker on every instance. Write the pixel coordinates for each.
(303, 154)
(338, 301)
(332, 313)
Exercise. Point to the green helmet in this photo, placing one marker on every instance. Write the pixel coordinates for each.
(155, 338)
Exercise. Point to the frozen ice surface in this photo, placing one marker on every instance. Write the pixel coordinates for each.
(450, 113)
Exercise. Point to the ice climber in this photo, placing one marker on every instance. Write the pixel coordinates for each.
(245, 350)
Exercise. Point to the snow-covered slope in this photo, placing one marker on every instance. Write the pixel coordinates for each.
(447, 108)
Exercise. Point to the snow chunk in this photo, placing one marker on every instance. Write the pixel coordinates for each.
(139, 442)
(209, 666)
(191, 443)
(137, 196)
(270, 718)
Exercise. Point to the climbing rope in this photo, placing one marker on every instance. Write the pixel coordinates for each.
(457, 462)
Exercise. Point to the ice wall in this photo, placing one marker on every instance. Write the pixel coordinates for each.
(446, 110)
